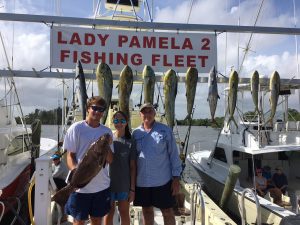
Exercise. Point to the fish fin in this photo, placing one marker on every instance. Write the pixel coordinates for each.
(207, 99)
(61, 196)
(218, 97)
(77, 77)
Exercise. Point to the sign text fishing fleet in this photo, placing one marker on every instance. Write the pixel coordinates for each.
(160, 50)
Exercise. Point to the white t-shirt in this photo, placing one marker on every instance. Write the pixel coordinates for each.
(78, 139)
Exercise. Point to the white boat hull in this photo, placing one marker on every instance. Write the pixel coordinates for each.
(270, 213)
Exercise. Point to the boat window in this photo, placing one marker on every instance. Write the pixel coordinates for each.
(17, 144)
(220, 154)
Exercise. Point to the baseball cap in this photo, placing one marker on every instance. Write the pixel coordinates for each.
(146, 105)
(55, 156)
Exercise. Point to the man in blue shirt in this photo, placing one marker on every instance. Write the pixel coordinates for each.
(158, 167)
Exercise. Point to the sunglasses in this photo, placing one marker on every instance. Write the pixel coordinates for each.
(98, 108)
(116, 121)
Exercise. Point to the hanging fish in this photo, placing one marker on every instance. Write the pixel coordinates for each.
(170, 92)
(213, 95)
(232, 96)
(254, 84)
(80, 85)
(105, 85)
(274, 88)
(191, 81)
(124, 89)
(149, 84)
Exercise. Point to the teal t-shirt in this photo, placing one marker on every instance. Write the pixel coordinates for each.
(124, 151)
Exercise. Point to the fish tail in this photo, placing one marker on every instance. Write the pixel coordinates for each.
(188, 117)
(235, 122)
(228, 122)
(61, 196)
(232, 119)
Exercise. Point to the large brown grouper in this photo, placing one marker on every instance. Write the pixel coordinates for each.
(91, 164)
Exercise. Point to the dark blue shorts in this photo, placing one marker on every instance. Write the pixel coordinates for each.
(119, 196)
(81, 205)
(159, 197)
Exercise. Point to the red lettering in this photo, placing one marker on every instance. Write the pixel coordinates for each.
(122, 39)
(85, 57)
(206, 43)
(165, 61)
(98, 58)
(191, 61)
(111, 58)
(103, 38)
(89, 39)
(75, 56)
(59, 38)
(149, 42)
(163, 42)
(64, 54)
(75, 39)
(187, 44)
(203, 59)
(134, 42)
(173, 44)
(122, 59)
(155, 58)
(136, 59)
(179, 61)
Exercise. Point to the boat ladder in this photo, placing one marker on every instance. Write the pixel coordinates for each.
(242, 204)
(197, 195)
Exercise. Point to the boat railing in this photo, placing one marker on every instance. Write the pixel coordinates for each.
(197, 195)
(242, 204)
(3, 208)
(297, 204)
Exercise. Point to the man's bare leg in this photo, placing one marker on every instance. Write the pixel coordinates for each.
(95, 220)
(168, 215)
(148, 215)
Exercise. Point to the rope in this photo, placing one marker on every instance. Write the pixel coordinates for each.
(251, 35)
(190, 11)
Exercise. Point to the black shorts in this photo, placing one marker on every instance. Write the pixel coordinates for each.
(159, 197)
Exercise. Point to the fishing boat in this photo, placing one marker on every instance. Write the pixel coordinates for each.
(127, 34)
(19, 146)
(251, 144)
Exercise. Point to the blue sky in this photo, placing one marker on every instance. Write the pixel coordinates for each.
(29, 44)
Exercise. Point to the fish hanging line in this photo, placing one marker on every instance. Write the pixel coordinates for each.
(185, 144)
(159, 95)
(141, 96)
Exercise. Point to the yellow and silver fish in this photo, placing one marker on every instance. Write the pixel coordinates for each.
(170, 92)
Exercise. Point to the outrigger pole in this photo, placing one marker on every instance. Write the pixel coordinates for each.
(52, 20)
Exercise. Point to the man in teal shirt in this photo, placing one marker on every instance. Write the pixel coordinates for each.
(158, 167)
